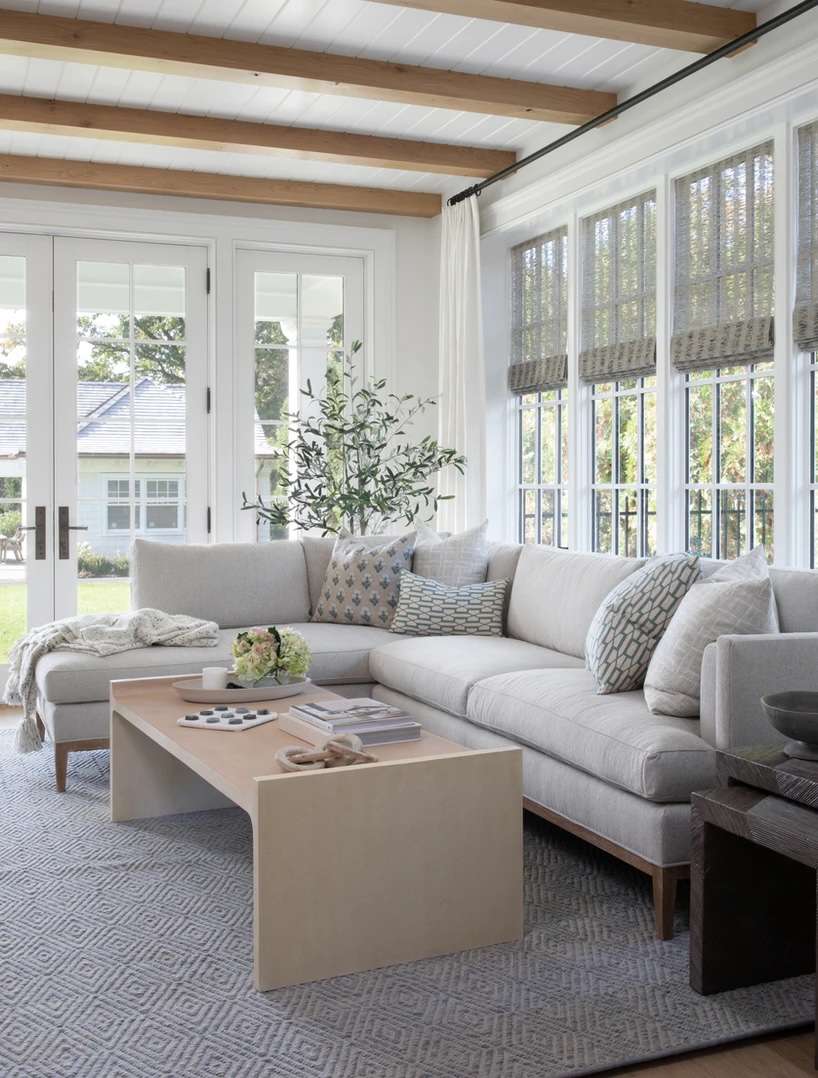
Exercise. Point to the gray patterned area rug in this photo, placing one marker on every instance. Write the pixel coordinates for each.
(125, 952)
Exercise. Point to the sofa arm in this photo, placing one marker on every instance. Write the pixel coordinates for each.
(738, 670)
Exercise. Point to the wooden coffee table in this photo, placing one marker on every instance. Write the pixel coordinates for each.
(416, 855)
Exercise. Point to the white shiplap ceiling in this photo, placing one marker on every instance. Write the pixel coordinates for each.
(351, 27)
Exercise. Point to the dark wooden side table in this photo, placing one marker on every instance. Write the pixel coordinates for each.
(753, 872)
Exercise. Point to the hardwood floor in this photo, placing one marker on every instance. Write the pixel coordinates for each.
(9, 717)
(771, 1057)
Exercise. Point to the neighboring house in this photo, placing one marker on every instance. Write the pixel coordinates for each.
(110, 427)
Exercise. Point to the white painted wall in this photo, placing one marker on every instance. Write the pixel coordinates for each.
(763, 94)
(401, 291)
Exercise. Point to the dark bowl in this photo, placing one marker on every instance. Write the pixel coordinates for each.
(793, 714)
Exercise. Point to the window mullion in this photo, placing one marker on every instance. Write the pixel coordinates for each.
(615, 473)
(715, 477)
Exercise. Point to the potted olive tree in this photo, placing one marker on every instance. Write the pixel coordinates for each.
(350, 465)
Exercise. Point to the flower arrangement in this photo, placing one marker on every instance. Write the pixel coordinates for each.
(279, 654)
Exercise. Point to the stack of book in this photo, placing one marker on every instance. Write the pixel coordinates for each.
(373, 722)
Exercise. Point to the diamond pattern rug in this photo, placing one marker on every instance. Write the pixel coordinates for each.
(125, 952)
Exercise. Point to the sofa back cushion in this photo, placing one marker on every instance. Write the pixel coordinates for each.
(317, 554)
(234, 584)
(503, 558)
(796, 595)
(555, 595)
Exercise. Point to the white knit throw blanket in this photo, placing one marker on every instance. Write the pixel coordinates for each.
(93, 634)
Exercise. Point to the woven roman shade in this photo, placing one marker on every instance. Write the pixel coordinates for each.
(805, 316)
(723, 302)
(619, 292)
(539, 313)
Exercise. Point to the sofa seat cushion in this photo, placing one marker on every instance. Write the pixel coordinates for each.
(340, 655)
(614, 737)
(441, 670)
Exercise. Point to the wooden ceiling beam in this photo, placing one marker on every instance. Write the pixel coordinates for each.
(138, 48)
(667, 24)
(43, 115)
(50, 171)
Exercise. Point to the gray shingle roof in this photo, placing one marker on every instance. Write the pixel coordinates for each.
(104, 414)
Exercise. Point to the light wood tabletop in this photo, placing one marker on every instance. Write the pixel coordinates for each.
(416, 854)
(231, 761)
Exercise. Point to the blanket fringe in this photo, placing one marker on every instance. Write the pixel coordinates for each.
(28, 736)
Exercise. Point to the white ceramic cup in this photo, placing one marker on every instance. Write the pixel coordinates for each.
(214, 677)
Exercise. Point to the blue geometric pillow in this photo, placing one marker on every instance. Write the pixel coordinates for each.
(428, 608)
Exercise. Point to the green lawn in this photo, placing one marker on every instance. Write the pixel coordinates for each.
(93, 597)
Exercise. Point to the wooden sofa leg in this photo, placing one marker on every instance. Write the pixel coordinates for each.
(60, 764)
(62, 749)
(40, 727)
(665, 881)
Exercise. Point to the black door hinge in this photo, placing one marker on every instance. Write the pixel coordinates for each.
(207, 280)
(209, 521)
(208, 400)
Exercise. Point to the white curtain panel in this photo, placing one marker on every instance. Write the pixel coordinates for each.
(462, 384)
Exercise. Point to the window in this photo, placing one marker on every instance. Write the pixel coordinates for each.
(11, 494)
(119, 505)
(624, 456)
(543, 467)
(162, 508)
(730, 417)
(805, 321)
(618, 359)
(158, 501)
(299, 337)
(538, 377)
(723, 343)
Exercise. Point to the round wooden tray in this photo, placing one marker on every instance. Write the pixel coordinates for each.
(191, 689)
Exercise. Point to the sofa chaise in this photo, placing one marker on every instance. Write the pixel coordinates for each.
(602, 767)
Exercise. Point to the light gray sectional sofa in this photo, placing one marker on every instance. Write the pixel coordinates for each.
(602, 767)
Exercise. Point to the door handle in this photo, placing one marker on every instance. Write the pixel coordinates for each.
(64, 527)
(38, 527)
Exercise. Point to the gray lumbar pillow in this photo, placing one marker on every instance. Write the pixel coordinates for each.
(458, 559)
(362, 581)
(429, 608)
(736, 599)
(631, 620)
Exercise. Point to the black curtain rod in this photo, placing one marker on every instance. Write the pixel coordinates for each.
(630, 102)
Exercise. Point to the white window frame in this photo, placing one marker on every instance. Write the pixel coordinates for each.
(555, 401)
(141, 502)
(749, 488)
(812, 369)
(643, 489)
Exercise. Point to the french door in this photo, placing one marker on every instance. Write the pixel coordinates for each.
(103, 372)
(296, 317)
(26, 436)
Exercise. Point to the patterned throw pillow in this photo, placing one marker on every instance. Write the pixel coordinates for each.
(429, 608)
(631, 620)
(362, 581)
(736, 599)
(458, 559)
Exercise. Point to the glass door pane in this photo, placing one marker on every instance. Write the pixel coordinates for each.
(275, 367)
(13, 439)
(137, 354)
(25, 435)
(298, 315)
